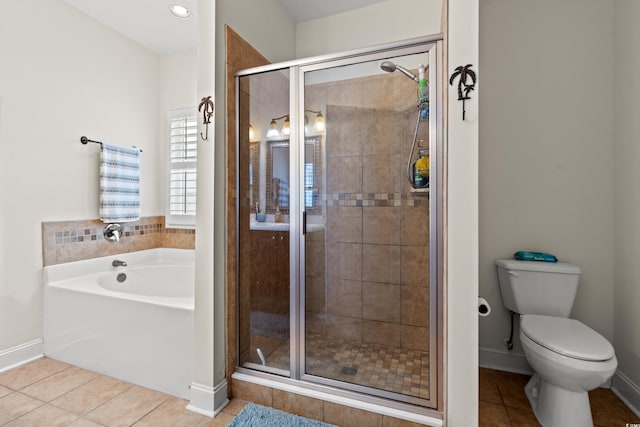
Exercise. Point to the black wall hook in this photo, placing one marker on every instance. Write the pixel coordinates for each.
(464, 88)
(207, 108)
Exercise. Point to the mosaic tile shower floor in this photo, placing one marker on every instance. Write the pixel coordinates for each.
(373, 365)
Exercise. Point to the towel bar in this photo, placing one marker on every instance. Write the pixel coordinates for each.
(85, 141)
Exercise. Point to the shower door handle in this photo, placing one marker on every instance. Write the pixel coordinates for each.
(304, 222)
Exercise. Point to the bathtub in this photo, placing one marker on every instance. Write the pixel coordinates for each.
(138, 330)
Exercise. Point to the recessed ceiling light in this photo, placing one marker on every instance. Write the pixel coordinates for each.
(179, 11)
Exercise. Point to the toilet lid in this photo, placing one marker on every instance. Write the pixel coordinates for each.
(568, 337)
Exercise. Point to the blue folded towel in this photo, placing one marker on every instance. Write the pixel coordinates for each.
(119, 183)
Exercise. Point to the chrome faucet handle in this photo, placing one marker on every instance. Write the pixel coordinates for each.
(113, 232)
(119, 263)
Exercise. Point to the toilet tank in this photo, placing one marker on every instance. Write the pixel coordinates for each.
(532, 287)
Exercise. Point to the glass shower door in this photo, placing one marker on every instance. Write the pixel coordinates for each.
(339, 212)
(367, 271)
(263, 222)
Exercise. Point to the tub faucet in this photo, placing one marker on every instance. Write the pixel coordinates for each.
(118, 263)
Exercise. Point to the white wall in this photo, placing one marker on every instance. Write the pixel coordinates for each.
(178, 81)
(546, 160)
(384, 22)
(627, 197)
(62, 76)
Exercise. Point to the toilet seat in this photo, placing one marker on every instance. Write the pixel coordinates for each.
(567, 337)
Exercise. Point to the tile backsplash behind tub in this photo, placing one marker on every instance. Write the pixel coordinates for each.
(67, 241)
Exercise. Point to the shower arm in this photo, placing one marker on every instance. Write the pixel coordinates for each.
(407, 73)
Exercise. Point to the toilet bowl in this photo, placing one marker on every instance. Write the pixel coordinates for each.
(569, 359)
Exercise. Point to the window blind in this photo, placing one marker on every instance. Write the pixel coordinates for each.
(183, 137)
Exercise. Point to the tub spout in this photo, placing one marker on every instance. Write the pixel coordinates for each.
(119, 263)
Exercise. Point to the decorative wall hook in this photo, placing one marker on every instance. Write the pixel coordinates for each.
(207, 108)
(464, 88)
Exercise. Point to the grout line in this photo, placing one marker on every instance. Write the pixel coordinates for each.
(151, 410)
(107, 401)
(36, 381)
(29, 411)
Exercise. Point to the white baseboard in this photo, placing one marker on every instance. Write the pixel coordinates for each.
(627, 391)
(207, 400)
(503, 360)
(21, 354)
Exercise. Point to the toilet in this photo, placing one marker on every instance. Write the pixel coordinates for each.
(568, 358)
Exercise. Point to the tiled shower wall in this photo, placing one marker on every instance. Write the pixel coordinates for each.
(67, 241)
(376, 244)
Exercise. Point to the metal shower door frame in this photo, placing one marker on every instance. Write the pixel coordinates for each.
(297, 246)
(297, 377)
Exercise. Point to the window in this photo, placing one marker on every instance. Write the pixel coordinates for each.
(308, 185)
(183, 137)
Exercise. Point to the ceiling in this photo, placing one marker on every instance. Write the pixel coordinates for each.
(150, 24)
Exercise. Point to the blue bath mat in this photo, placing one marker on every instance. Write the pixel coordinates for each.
(254, 415)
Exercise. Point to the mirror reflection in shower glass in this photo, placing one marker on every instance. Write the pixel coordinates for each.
(263, 239)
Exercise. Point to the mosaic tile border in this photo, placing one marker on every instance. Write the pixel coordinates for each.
(67, 241)
(96, 233)
(378, 199)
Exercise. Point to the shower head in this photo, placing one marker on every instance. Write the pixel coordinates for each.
(390, 67)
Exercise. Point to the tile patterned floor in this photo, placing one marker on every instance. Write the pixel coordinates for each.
(504, 404)
(49, 393)
(374, 365)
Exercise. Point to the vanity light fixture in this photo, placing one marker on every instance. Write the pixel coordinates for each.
(273, 132)
(179, 11)
(319, 123)
(252, 134)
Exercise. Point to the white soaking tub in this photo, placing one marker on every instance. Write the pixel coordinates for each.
(139, 330)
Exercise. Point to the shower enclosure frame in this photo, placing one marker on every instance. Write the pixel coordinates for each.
(433, 47)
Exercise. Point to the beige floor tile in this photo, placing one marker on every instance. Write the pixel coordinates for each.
(15, 405)
(89, 396)
(81, 422)
(299, 405)
(45, 415)
(4, 391)
(58, 384)
(350, 417)
(223, 419)
(492, 415)
(30, 373)
(127, 407)
(235, 406)
(253, 392)
(172, 413)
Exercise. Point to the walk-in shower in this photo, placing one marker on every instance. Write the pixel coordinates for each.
(339, 277)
